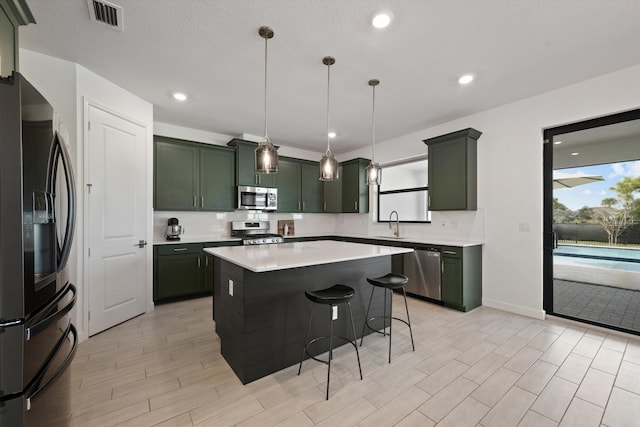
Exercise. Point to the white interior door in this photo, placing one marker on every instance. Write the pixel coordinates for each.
(116, 220)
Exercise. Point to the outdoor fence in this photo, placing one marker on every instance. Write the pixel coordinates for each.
(595, 233)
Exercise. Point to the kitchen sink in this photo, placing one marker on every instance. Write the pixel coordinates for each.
(389, 237)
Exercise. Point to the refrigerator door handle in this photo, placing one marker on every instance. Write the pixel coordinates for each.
(42, 322)
(35, 386)
(60, 154)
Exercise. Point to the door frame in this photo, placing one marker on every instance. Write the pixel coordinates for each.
(547, 177)
(82, 187)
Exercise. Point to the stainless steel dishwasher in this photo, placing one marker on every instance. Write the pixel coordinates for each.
(422, 267)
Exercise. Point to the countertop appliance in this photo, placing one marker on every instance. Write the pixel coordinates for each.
(37, 219)
(173, 229)
(422, 267)
(257, 198)
(254, 232)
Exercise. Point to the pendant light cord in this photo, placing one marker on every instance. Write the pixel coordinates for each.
(266, 134)
(373, 126)
(328, 86)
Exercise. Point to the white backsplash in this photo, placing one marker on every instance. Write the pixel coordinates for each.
(451, 225)
(216, 225)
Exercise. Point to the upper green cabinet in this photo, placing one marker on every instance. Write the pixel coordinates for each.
(245, 164)
(453, 170)
(299, 186)
(13, 13)
(191, 176)
(332, 194)
(355, 191)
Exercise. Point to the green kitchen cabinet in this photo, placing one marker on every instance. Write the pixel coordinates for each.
(190, 176)
(178, 271)
(355, 191)
(245, 165)
(332, 194)
(13, 14)
(452, 170)
(299, 187)
(217, 177)
(461, 276)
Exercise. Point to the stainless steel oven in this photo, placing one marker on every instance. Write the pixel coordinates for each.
(257, 198)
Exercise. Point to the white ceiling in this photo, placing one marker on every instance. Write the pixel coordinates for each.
(210, 49)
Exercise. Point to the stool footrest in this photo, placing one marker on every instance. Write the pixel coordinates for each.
(366, 323)
(326, 362)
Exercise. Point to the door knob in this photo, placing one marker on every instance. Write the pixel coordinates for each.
(142, 243)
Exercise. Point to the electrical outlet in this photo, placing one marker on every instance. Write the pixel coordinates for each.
(524, 226)
(230, 287)
(334, 312)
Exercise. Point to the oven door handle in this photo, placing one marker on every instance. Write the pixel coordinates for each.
(42, 322)
(36, 385)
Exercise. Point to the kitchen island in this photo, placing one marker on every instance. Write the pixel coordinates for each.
(260, 308)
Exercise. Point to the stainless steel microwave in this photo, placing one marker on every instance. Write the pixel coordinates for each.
(257, 198)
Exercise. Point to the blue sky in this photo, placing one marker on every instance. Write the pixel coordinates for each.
(592, 194)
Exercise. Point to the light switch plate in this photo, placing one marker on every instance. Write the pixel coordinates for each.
(334, 312)
(230, 287)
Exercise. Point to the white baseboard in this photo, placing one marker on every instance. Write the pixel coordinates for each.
(517, 309)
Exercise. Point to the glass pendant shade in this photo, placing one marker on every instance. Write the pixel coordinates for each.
(373, 173)
(266, 158)
(328, 163)
(328, 167)
(266, 153)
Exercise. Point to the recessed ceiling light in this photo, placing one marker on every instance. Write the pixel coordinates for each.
(575, 154)
(332, 134)
(180, 96)
(381, 19)
(557, 142)
(466, 79)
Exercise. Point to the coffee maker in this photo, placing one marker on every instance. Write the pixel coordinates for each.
(173, 229)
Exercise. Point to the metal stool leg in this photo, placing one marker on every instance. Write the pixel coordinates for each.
(306, 338)
(355, 338)
(408, 319)
(366, 316)
(384, 316)
(330, 347)
(390, 317)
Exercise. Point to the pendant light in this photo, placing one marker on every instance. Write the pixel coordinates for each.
(328, 164)
(373, 170)
(266, 153)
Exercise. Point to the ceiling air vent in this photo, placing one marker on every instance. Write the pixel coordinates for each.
(107, 13)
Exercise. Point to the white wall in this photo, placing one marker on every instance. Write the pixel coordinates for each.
(510, 181)
(69, 87)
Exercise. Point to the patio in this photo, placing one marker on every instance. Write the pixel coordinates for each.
(598, 303)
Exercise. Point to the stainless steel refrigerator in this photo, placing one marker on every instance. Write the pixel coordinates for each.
(37, 217)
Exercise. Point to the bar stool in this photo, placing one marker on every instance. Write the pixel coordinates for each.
(337, 294)
(390, 282)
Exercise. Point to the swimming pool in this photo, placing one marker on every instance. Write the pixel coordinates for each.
(600, 256)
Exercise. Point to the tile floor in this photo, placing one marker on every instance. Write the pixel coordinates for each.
(482, 368)
(599, 303)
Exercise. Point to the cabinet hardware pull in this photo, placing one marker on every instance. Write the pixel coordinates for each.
(324, 206)
(179, 249)
(449, 252)
(202, 201)
(195, 202)
(303, 205)
(206, 261)
(442, 267)
(198, 262)
(355, 205)
(298, 204)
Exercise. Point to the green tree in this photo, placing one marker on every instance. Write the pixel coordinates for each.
(612, 217)
(561, 213)
(584, 215)
(628, 192)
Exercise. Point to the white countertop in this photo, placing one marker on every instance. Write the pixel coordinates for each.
(261, 258)
(402, 239)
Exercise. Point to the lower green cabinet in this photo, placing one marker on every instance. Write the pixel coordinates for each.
(461, 276)
(177, 271)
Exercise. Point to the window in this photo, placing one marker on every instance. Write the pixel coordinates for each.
(404, 189)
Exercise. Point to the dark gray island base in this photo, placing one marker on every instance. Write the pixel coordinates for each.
(261, 317)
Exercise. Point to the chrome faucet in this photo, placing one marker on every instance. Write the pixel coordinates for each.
(397, 232)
